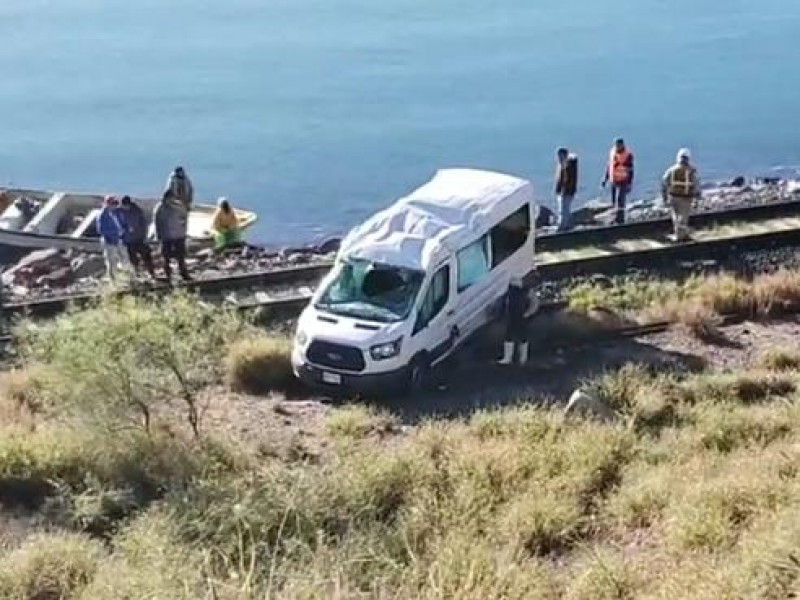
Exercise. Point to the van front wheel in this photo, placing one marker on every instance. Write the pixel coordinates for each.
(418, 373)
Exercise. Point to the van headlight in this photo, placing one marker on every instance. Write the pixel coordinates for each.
(386, 351)
(300, 337)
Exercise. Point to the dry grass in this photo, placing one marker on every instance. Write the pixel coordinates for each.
(259, 365)
(698, 303)
(359, 422)
(49, 567)
(691, 493)
(780, 359)
(20, 396)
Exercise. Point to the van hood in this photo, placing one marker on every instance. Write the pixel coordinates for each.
(348, 330)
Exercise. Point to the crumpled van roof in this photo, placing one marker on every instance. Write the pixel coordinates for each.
(453, 209)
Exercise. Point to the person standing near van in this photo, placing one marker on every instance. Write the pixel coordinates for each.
(619, 172)
(171, 223)
(680, 185)
(566, 186)
(515, 307)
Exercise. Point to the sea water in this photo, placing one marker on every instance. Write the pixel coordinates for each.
(315, 113)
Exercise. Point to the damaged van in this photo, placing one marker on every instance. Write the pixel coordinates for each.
(414, 281)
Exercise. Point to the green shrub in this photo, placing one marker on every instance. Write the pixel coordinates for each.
(49, 567)
(114, 364)
(737, 388)
(95, 480)
(603, 574)
(725, 428)
(259, 365)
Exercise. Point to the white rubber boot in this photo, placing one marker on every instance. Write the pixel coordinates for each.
(523, 353)
(508, 354)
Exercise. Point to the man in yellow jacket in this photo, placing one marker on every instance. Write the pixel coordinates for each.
(225, 226)
(680, 185)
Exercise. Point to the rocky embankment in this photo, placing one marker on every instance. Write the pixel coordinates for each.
(738, 193)
(48, 273)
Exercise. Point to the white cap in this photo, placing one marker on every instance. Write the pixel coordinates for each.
(684, 154)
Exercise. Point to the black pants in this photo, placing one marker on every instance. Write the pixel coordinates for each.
(517, 329)
(175, 249)
(138, 253)
(619, 195)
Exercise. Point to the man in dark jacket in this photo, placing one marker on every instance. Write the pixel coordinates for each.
(566, 186)
(171, 219)
(181, 187)
(135, 225)
(517, 303)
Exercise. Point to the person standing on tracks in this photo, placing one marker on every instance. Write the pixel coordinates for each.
(135, 225)
(619, 172)
(566, 186)
(680, 185)
(111, 232)
(171, 219)
(517, 303)
(181, 187)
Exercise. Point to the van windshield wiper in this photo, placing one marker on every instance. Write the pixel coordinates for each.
(363, 311)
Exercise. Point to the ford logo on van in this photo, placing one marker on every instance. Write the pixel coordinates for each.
(334, 356)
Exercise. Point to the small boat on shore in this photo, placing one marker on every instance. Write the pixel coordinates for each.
(37, 219)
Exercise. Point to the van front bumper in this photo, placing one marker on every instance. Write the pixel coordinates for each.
(388, 382)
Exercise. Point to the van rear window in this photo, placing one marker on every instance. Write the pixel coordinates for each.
(510, 235)
(473, 263)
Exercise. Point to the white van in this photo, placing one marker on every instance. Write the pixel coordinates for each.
(415, 280)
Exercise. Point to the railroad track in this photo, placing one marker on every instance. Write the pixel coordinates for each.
(598, 250)
(548, 242)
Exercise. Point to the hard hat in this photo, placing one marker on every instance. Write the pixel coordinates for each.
(684, 154)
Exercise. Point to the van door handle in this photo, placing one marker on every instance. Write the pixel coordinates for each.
(450, 312)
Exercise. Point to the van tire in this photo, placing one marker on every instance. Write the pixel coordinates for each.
(418, 374)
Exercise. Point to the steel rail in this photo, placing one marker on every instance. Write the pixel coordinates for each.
(603, 234)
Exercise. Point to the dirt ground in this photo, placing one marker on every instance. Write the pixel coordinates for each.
(277, 425)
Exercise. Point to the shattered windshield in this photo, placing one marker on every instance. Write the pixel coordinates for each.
(371, 291)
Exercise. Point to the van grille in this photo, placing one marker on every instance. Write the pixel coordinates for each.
(336, 356)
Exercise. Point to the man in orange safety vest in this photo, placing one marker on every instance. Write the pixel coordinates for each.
(620, 172)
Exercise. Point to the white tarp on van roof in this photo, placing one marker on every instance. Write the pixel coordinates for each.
(453, 209)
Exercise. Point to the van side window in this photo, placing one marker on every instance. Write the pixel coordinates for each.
(435, 298)
(473, 263)
(510, 235)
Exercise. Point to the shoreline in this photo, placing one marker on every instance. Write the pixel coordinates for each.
(48, 273)
(716, 194)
